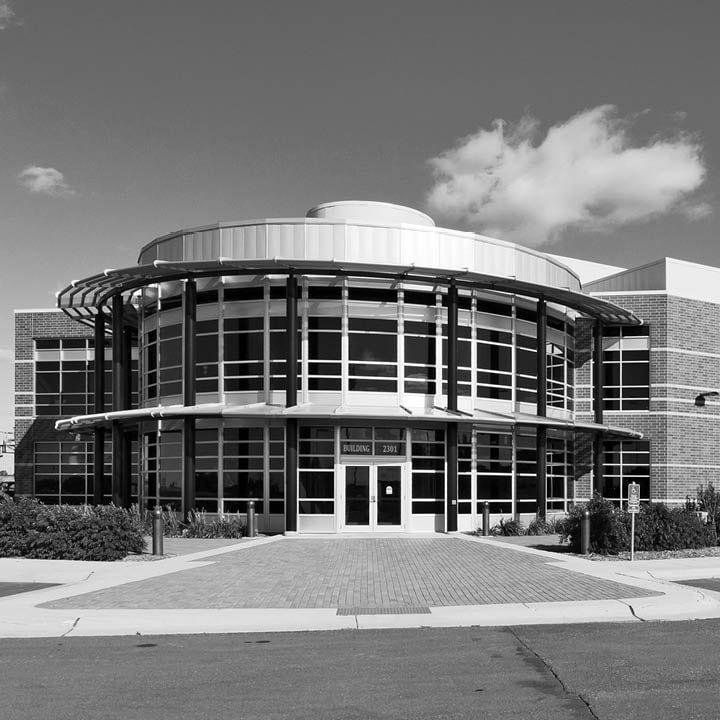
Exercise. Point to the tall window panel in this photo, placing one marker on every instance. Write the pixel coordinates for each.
(243, 333)
(465, 448)
(207, 359)
(207, 468)
(494, 470)
(420, 357)
(324, 353)
(276, 470)
(316, 471)
(464, 358)
(428, 471)
(560, 465)
(243, 466)
(624, 462)
(526, 471)
(170, 480)
(494, 364)
(626, 368)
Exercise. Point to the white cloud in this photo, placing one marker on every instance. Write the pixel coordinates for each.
(6, 14)
(46, 181)
(585, 173)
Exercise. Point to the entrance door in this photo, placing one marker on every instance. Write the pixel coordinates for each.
(373, 497)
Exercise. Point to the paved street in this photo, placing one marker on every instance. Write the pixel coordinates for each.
(647, 671)
(361, 575)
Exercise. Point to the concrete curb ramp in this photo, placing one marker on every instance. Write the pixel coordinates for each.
(21, 616)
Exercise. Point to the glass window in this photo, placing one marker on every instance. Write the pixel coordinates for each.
(626, 368)
(316, 473)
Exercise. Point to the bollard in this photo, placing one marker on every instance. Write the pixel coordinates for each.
(585, 533)
(486, 519)
(251, 530)
(158, 525)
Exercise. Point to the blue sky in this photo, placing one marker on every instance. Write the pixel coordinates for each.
(122, 121)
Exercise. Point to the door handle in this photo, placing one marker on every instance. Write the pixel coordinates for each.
(372, 498)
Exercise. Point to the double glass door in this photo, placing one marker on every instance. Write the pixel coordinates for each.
(373, 497)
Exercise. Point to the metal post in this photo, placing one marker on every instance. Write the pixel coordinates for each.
(451, 510)
(598, 481)
(291, 472)
(632, 537)
(291, 360)
(251, 529)
(158, 525)
(541, 431)
(585, 533)
(486, 519)
(99, 407)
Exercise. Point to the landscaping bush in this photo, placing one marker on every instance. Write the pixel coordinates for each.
(540, 526)
(609, 527)
(708, 500)
(658, 527)
(67, 532)
(198, 524)
(507, 527)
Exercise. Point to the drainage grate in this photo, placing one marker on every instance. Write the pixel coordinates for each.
(404, 610)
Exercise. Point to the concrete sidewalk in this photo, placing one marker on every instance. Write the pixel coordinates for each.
(321, 583)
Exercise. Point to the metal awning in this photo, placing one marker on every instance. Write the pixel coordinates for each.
(479, 416)
(81, 297)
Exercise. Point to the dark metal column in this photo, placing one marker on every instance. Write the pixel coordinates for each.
(99, 406)
(451, 439)
(189, 392)
(598, 405)
(120, 465)
(541, 430)
(291, 465)
(291, 427)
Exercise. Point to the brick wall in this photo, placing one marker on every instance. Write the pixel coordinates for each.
(30, 325)
(684, 361)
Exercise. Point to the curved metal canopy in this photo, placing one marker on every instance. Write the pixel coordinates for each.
(325, 412)
(83, 298)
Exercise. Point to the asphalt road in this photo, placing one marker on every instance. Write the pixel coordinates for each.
(608, 672)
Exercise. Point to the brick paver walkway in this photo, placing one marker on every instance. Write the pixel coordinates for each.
(360, 573)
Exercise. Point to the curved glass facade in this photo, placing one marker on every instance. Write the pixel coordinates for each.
(354, 339)
(344, 374)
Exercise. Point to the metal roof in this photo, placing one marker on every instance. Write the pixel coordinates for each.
(82, 297)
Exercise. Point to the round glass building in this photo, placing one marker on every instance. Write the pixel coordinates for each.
(358, 369)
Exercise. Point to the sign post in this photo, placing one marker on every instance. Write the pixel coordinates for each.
(633, 509)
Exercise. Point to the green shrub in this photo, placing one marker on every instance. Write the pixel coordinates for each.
(540, 526)
(67, 532)
(198, 524)
(708, 500)
(609, 527)
(658, 527)
(507, 527)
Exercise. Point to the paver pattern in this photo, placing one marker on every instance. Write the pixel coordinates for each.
(359, 573)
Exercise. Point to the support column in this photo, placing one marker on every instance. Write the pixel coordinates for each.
(99, 407)
(291, 427)
(291, 466)
(598, 405)
(120, 464)
(451, 436)
(189, 394)
(541, 411)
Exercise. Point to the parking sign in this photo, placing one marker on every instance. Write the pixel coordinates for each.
(633, 498)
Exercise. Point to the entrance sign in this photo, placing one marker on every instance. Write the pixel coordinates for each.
(355, 448)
